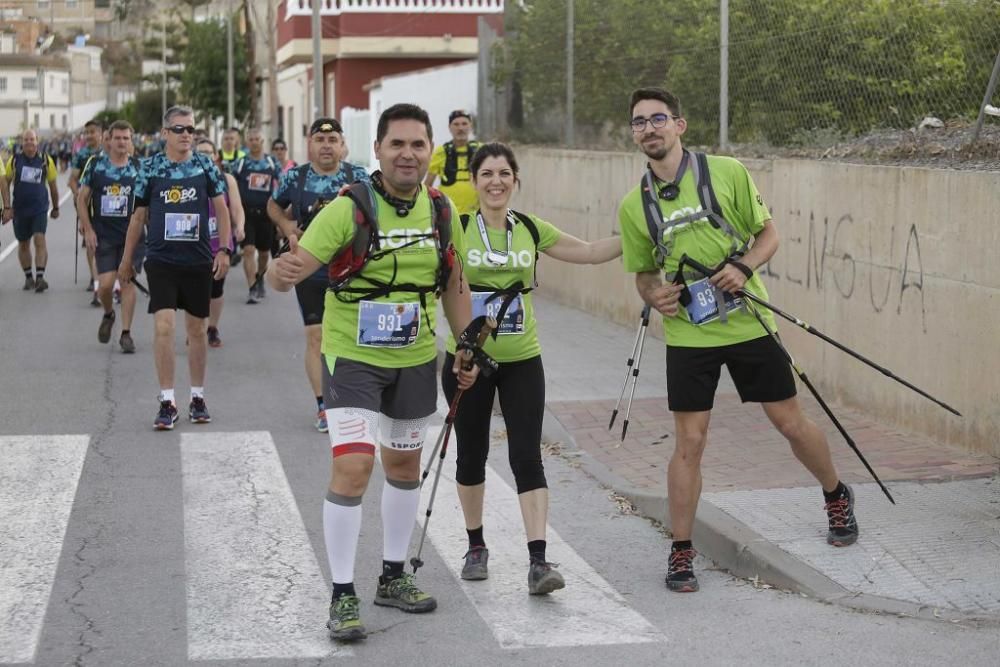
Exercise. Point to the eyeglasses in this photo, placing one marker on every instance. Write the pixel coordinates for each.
(181, 129)
(657, 120)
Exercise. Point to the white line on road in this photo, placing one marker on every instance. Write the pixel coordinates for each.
(13, 246)
(38, 481)
(587, 612)
(254, 587)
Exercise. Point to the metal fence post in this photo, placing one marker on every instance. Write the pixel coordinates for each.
(724, 74)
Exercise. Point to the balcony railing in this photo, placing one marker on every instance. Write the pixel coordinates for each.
(337, 7)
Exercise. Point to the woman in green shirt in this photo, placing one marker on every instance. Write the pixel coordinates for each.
(501, 251)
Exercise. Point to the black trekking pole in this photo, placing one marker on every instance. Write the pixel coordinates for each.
(139, 286)
(487, 327)
(811, 329)
(631, 367)
(76, 253)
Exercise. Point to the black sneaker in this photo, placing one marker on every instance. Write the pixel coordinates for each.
(402, 593)
(198, 411)
(29, 284)
(261, 292)
(214, 340)
(345, 621)
(476, 559)
(94, 301)
(543, 578)
(166, 417)
(680, 571)
(40, 284)
(843, 524)
(104, 331)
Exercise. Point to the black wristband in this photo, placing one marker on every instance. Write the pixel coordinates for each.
(744, 269)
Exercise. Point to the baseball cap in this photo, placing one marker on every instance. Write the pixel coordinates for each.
(459, 113)
(325, 125)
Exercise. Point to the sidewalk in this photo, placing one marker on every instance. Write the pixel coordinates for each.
(935, 554)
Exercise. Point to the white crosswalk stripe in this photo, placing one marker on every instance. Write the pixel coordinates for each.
(589, 611)
(37, 485)
(254, 587)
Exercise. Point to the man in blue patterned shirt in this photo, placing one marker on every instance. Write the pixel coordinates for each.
(104, 204)
(92, 133)
(301, 194)
(172, 193)
(256, 173)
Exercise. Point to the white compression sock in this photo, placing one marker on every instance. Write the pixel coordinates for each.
(399, 513)
(341, 529)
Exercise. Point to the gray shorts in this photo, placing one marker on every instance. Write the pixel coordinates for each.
(109, 256)
(398, 393)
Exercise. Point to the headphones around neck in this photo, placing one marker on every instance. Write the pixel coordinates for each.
(670, 191)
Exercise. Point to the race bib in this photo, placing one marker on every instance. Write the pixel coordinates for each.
(513, 319)
(383, 324)
(259, 182)
(114, 206)
(213, 228)
(703, 307)
(181, 226)
(31, 174)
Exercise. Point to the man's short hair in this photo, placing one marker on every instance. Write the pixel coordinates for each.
(174, 111)
(230, 130)
(255, 130)
(459, 113)
(279, 143)
(93, 122)
(402, 112)
(120, 125)
(672, 101)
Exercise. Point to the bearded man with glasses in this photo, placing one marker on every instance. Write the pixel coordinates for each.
(172, 195)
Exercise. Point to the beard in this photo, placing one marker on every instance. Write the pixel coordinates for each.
(655, 153)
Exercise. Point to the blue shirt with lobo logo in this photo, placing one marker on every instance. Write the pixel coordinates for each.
(177, 194)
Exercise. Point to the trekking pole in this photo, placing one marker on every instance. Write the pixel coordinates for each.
(635, 373)
(811, 329)
(488, 326)
(139, 286)
(643, 323)
(76, 253)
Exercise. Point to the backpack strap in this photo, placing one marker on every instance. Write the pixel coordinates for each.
(300, 190)
(352, 258)
(350, 172)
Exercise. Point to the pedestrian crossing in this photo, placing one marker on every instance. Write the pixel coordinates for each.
(254, 587)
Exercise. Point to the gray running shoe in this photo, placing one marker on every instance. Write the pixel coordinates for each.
(403, 594)
(128, 345)
(29, 284)
(41, 285)
(475, 564)
(261, 292)
(252, 294)
(345, 622)
(104, 331)
(543, 578)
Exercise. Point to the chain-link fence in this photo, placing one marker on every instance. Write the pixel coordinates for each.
(801, 73)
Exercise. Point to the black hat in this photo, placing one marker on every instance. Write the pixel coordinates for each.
(325, 125)
(459, 113)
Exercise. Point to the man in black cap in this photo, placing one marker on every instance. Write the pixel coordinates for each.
(302, 192)
(450, 161)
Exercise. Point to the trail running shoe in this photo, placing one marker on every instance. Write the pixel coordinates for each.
(166, 418)
(94, 301)
(402, 593)
(345, 622)
(214, 340)
(41, 285)
(128, 345)
(543, 578)
(29, 284)
(321, 424)
(198, 411)
(843, 524)
(680, 571)
(104, 331)
(252, 294)
(476, 559)
(261, 292)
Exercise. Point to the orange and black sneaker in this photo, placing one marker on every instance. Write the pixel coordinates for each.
(843, 524)
(680, 569)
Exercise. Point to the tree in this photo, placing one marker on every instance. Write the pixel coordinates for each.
(145, 113)
(203, 81)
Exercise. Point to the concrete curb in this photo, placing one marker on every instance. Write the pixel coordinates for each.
(738, 549)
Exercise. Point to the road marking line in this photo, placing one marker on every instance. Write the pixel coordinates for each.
(13, 246)
(254, 587)
(589, 611)
(38, 481)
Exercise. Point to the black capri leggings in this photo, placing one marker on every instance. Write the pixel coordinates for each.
(522, 400)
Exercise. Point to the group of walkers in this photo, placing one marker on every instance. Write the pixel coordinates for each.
(369, 256)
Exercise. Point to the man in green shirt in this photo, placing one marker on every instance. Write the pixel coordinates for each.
(380, 355)
(700, 338)
(450, 162)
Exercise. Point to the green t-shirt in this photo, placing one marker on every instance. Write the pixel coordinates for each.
(389, 331)
(518, 338)
(462, 192)
(742, 207)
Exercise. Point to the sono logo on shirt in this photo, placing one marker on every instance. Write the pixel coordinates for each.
(517, 260)
(179, 195)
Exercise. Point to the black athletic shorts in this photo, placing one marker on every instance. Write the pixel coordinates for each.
(311, 294)
(109, 256)
(187, 288)
(759, 370)
(259, 230)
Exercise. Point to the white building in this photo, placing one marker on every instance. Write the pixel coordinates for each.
(34, 93)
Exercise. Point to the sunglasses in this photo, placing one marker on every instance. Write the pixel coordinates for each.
(181, 129)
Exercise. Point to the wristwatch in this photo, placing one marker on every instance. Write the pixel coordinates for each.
(228, 251)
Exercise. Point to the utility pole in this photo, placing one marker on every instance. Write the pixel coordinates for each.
(230, 92)
(317, 33)
(570, 120)
(724, 74)
(163, 62)
(272, 73)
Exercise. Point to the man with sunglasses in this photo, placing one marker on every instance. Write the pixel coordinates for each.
(711, 327)
(279, 149)
(172, 194)
(301, 194)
